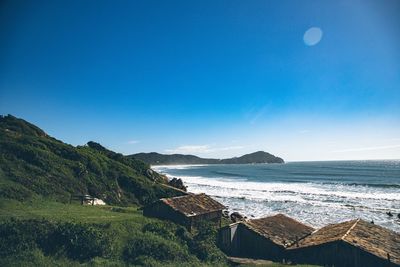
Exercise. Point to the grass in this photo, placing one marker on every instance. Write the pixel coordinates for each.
(122, 226)
(42, 209)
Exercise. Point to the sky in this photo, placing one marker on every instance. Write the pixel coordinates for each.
(304, 80)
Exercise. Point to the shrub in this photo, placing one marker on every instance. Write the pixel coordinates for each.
(153, 246)
(207, 251)
(147, 261)
(80, 242)
(15, 239)
(204, 244)
(76, 241)
(160, 229)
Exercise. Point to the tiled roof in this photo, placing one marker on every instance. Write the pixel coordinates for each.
(280, 229)
(329, 233)
(369, 237)
(193, 205)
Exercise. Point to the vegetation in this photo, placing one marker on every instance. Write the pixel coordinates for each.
(39, 226)
(34, 164)
(154, 158)
(53, 233)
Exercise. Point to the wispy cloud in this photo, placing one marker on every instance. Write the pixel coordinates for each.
(200, 149)
(132, 142)
(366, 148)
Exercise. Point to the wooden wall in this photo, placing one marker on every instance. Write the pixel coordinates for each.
(228, 239)
(338, 253)
(240, 241)
(162, 211)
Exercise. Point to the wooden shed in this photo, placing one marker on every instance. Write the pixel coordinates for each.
(186, 210)
(353, 243)
(264, 238)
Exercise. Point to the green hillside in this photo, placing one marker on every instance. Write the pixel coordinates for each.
(33, 164)
(40, 227)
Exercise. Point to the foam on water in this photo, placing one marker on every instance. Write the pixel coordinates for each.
(314, 201)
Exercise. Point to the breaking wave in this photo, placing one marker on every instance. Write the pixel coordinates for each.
(315, 195)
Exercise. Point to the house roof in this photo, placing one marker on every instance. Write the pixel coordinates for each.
(193, 205)
(369, 237)
(280, 229)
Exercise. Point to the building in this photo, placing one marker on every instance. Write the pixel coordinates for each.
(264, 238)
(186, 210)
(349, 244)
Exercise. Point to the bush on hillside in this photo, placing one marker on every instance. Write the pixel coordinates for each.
(161, 229)
(80, 242)
(153, 246)
(41, 165)
(75, 241)
(204, 244)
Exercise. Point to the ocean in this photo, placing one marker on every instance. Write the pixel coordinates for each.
(316, 193)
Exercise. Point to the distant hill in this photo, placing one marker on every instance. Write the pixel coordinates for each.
(154, 158)
(33, 164)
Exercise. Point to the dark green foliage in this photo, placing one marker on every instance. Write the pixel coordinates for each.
(15, 239)
(49, 233)
(15, 191)
(80, 242)
(20, 126)
(138, 165)
(147, 261)
(156, 247)
(204, 244)
(36, 167)
(75, 241)
(160, 229)
(34, 164)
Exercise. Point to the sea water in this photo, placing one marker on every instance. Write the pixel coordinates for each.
(316, 193)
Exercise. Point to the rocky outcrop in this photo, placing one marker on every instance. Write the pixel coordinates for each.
(177, 183)
(237, 217)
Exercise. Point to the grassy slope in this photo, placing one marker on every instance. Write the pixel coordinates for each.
(34, 164)
(120, 224)
(74, 212)
(38, 174)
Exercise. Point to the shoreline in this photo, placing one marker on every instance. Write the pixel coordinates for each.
(311, 203)
(286, 162)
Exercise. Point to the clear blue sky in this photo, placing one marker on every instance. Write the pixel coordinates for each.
(213, 78)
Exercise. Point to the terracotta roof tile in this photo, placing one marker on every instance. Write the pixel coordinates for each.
(369, 237)
(280, 229)
(192, 205)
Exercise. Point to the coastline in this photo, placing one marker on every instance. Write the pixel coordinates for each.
(314, 203)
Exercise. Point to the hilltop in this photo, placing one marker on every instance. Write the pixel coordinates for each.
(154, 158)
(33, 164)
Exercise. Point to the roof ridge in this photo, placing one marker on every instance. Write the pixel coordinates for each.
(189, 194)
(351, 228)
